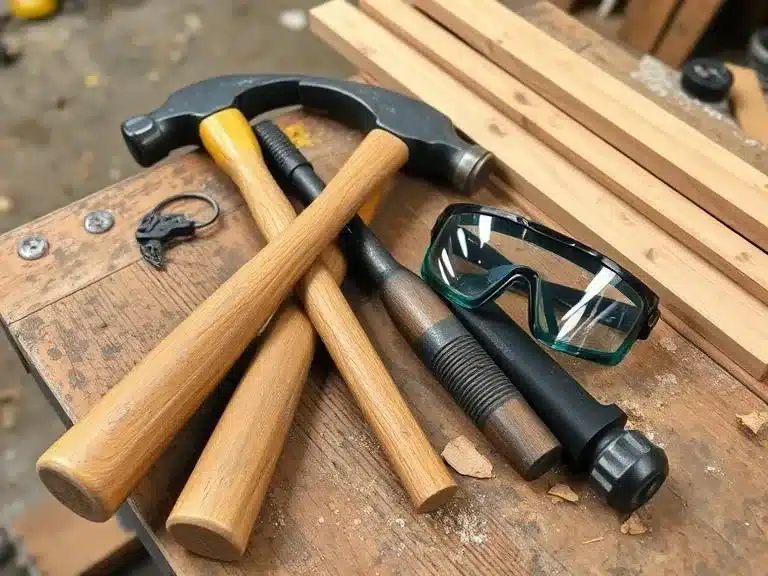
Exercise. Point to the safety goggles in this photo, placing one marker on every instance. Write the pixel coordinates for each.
(578, 301)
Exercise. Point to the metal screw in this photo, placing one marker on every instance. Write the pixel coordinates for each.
(98, 221)
(33, 247)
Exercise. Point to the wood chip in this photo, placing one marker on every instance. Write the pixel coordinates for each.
(754, 421)
(9, 395)
(633, 411)
(563, 492)
(8, 417)
(463, 457)
(634, 526)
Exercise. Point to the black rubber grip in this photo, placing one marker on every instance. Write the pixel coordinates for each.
(283, 156)
(573, 415)
(468, 373)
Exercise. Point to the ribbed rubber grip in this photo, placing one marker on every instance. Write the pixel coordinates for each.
(473, 379)
(283, 157)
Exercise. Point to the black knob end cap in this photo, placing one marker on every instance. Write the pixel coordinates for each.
(628, 469)
(706, 79)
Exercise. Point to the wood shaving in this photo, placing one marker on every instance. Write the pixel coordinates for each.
(562, 492)
(754, 421)
(634, 526)
(463, 457)
(8, 417)
(633, 411)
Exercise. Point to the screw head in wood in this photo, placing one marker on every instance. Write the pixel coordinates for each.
(32, 247)
(98, 221)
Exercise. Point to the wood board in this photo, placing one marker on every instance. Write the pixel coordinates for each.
(685, 29)
(645, 22)
(500, 525)
(709, 175)
(565, 193)
(739, 259)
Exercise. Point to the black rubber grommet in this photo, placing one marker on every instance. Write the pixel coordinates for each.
(706, 79)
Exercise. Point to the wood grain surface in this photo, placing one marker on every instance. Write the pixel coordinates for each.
(334, 506)
(577, 202)
(729, 189)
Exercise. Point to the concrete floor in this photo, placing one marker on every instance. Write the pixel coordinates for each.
(80, 76)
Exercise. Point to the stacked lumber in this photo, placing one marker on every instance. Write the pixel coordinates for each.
(607, 164)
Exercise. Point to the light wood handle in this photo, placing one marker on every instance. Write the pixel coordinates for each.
(418, 466)
(95, 465)
(215, 513)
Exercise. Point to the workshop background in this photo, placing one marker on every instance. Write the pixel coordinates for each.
(79, 75)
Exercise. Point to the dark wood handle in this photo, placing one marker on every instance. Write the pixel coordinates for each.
(465, 369)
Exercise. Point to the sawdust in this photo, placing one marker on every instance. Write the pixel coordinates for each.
(667, 383)
(463, 457)
(460, 518)
(668, 344)
(753, 422)
(562, 492)
(633, 526)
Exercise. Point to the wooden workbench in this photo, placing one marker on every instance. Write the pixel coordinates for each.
(82, 316)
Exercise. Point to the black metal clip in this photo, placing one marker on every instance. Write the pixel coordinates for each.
(156, 231)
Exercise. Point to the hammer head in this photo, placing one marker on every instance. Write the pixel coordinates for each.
(436, 151)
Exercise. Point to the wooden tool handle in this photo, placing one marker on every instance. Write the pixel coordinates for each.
(215, 513)
(95, 465)
(230, 140)
(418, 466)
(464, 369)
